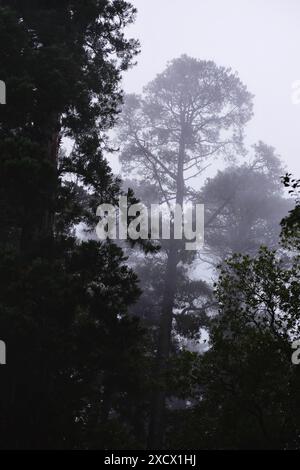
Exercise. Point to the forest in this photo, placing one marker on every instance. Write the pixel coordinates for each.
(136, 342)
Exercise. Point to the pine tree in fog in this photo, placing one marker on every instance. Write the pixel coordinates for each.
(189, 114)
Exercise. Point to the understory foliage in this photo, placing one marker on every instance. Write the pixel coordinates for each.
(243, 392)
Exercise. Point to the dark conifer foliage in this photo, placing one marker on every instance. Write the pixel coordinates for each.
(71, 347)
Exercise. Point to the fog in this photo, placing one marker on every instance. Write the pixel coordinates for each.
(257, 39)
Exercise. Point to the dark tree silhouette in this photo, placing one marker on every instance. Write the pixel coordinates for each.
(71, 375)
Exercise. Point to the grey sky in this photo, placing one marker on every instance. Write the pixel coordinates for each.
(260, 39)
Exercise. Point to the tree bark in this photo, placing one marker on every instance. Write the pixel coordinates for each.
(41, 226)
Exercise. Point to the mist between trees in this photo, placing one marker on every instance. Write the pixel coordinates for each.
(138, 343)
(2, 92)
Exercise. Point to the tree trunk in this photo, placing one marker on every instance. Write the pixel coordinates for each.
(41, 226)
(157, 417)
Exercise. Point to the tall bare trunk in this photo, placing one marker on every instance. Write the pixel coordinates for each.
(157, 418)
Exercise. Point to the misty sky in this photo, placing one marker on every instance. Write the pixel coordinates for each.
(260, 39)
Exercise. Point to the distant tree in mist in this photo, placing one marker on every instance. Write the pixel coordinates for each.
(191, 113)
(250, 201)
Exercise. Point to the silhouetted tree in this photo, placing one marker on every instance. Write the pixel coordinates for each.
(72, 374)
(190, 113)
